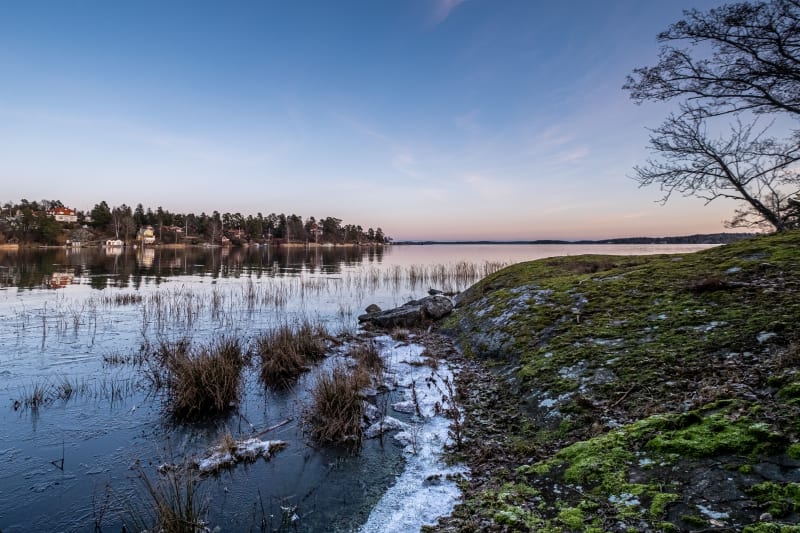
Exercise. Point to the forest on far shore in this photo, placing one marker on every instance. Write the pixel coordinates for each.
(50, 222)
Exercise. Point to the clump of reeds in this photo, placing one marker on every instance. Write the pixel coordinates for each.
(173, 504)
(46, 392)
(121, 299)
(287, 351)
(337, 406)
(202, 382)
(38, 396)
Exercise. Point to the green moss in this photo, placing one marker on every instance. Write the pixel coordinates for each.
(793, 451)
(790, 393)
(659, 503)
(714, 435)
(780, 499)
(771, 527)
(572, 517)
(513, 516)
(694, 520)
(538, 469)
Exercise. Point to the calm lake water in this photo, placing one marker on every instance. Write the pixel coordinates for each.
(75, 316)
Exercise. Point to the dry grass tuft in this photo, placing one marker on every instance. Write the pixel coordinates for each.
(173, 505)
(337, 406)
(708, 284)
(204, 382)
(589, 265)
(286, 351)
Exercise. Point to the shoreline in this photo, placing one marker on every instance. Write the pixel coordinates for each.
(619, 393)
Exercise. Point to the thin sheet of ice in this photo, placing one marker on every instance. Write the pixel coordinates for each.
(244, 450)
(426, 489)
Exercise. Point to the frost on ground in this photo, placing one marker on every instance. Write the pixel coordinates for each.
(426, 489)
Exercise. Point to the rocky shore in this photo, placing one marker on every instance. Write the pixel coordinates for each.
(654, 393)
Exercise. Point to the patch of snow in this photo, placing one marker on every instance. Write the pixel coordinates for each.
(733, 270)
(573, 372)
(711, 513)
(547, 403)
(625, 498)
(406, 407)
(387, 423)
(708, 327)
(243, 450)
(540, 297)
(413, 500)
(764, 336)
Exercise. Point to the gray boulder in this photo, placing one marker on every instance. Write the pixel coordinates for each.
(410, 314)
(436, 306)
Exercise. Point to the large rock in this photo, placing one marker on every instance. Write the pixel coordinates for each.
(410, 314)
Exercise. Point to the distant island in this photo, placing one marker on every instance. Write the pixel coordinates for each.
(710, 238)
(51, 223)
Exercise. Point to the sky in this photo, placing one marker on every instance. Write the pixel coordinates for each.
(432, 119)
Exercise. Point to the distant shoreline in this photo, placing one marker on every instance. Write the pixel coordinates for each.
(714, 238)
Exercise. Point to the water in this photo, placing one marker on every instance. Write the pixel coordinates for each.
(73, 316)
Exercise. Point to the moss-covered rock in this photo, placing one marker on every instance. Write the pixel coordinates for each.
(650, 393)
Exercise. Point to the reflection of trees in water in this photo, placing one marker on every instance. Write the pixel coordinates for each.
(99, 268)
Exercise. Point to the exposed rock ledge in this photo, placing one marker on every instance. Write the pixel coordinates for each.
(410, 314)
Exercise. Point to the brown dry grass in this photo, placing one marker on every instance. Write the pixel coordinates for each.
(286, 351)
(337, 406)
(203, 382)
(173, 506)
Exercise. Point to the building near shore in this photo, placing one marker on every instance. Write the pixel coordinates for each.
(146, 235)
(64, 214)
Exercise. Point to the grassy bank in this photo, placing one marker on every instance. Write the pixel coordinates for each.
(656, 393)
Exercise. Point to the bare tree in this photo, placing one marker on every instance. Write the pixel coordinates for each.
(744, 165)
(742, 56)
(738, 60)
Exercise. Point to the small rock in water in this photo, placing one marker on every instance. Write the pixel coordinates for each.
(372, 308)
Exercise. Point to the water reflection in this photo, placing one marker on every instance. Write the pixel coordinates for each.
(118, 267)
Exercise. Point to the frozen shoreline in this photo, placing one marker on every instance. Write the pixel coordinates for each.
(426, 489)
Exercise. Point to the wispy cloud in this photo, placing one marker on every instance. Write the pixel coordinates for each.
(487, 188)
(442, 10)
(401, 159)
(552, 137)
(468, 122)
(575, 154)
(404, 162)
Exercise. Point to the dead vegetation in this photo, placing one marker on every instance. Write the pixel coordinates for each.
(287, 351)
(203, 382)
(337, 406)
(173, 504)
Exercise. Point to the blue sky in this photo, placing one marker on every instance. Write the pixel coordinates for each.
(435, 119)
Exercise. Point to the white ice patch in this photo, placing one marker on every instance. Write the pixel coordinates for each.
(387, 423)
(243, 450)
(426, 489)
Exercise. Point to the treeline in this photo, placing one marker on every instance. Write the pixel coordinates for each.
(33, 222)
